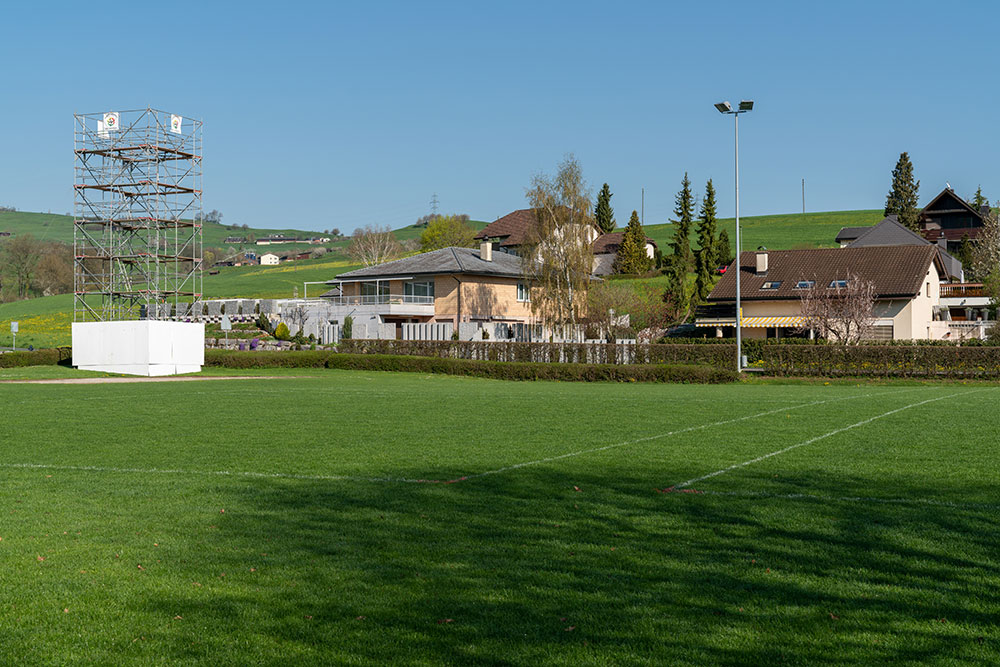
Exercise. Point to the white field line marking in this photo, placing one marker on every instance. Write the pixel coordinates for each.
(353, 478)
(850, 499)
(863, 422)
(689, 429)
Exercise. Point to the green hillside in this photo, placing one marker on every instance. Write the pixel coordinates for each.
(53, 227)
(779, 232)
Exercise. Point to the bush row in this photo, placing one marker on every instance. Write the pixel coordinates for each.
(46, 357)
(572, 353)
(500, 370)
(882, 361)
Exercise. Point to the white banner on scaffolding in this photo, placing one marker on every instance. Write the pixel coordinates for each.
(176, 123)
(101, 132)
(110, 122)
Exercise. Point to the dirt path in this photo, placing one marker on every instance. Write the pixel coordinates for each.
(126, 380)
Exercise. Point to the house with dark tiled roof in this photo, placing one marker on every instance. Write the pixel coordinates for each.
(890, 232)
(451, 285)
(513, 231)
(907, 281)
(948, 219)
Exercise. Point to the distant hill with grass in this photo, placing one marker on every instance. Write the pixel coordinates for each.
(779, 232)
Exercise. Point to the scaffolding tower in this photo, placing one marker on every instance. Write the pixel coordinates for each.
(137, 232)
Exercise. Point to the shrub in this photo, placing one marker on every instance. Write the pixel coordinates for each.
(46, 357)
(281, 331)
(263, 323)
(348, 325)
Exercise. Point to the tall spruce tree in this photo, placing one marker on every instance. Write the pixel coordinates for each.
(705, 258)
(632, 257)
(902, 198)
(680, 257)
(604, 215)
(723, 251)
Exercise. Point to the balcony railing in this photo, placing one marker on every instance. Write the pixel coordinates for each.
(381, 300)
(959, 290)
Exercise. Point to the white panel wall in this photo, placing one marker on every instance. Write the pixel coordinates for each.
(139, 347)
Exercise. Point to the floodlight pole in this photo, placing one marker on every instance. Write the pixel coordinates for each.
(726, 108)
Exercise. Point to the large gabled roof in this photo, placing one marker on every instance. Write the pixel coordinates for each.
(437, 262)
(897, 271)
(948, 202)
(512, 229)
(888, 232)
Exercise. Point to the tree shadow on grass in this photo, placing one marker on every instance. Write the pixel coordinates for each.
(524, 568)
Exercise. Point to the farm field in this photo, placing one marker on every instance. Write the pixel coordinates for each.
(358, 518)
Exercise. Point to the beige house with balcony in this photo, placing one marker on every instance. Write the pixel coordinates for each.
(907, 281)
(452, 285)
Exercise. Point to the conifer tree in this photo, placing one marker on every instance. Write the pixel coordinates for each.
(604, 215)
(723, 251)
(680, 257)
(632, 257)
(684, 210)
(705, 259)
(902, 198)
(978, 200)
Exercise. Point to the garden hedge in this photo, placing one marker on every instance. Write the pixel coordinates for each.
(500, 370)
(46, 357)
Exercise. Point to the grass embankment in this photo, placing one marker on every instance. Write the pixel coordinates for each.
(298, 520)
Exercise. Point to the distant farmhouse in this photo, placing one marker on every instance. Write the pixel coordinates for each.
(512, 232)
(269, 259)
(276, 239)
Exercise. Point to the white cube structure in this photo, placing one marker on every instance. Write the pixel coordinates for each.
(139, 347)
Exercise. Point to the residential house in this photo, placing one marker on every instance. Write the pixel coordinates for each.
(448, 285)
(890, 232)
(907, 281)
(512, 232)
(275, 239)
(948, 219)
(269, 259)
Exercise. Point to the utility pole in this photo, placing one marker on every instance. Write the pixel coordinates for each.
(642, 206)
(434, 205)
(803, 195)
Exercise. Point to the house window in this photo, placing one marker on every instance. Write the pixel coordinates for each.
(523, 293)
(415, 291)
(838, 284)
(928, 289)
(373, 292)
(771, 284)
(805, 284)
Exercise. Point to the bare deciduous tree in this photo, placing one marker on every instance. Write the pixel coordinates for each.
(845, 314)
(372, 245)
(19, 258)
(559, 257)
(54, 271)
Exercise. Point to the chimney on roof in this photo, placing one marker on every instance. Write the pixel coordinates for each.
(762, 261)
(984, 210)
(486, 250)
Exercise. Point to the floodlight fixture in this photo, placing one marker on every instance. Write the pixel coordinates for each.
(724, 107)
(746, 105)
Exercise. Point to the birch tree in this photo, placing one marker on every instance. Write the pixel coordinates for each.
(558, 258)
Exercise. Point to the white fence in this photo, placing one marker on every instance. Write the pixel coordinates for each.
(428, 331)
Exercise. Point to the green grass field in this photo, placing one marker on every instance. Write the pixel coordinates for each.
(779, 232)
(305, 520)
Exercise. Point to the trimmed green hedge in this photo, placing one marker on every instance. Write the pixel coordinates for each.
(882, 360)
(46, 357)
(500, 370)
(586, 353)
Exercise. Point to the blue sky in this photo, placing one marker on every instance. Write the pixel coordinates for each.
(322, 115)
